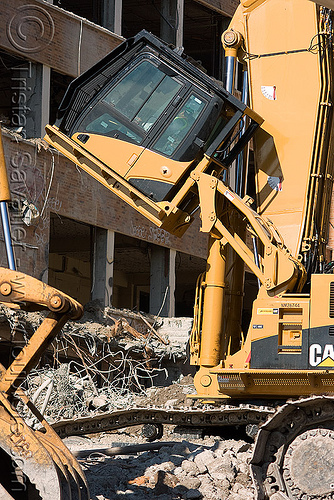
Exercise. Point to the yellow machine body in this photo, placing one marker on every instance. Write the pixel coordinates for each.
(290, 87)
(288, 348)
(168, 140)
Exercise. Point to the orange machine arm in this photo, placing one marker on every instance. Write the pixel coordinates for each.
(31, 450)
(278, 271)
(289, 63)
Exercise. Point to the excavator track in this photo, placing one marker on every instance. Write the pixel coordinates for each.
(293, 457)
(294, 452)
(218, 416)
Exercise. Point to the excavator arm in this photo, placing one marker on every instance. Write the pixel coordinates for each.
(290, 68)
(276, 269)
(34, 463)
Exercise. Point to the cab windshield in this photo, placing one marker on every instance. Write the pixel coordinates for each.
(133, 105)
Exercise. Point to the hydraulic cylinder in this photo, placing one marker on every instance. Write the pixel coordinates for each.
(4, 198)
(213, 305)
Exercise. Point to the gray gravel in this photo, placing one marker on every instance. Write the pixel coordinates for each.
(210, 469)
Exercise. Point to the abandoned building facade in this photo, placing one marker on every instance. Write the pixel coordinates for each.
(85, 241)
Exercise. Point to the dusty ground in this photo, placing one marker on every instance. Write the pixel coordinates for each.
(210, 468)
(171, 395)
(186, 467)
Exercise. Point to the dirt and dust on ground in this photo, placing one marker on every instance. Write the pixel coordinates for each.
(118, 360)
(210, 468)
(184, 466)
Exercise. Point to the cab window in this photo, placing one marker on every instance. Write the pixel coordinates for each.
(133, 105)
(180, 125)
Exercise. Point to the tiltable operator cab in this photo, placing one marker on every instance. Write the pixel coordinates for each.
(150, 118)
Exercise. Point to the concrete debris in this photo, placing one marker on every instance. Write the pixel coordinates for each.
(61, 394)
(168, 337)
(172, 473)
(177, 331)
(159, 338)
(74, 395)
(103, 362)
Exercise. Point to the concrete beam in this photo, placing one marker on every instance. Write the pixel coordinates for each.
(224, 7)
(49, 35)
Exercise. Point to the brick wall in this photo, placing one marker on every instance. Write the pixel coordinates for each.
(73, 194)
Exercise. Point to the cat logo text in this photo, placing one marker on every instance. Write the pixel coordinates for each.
(322, 356)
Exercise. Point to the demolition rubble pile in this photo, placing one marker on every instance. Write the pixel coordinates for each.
(103, 362)
(112, 359)
(208, 469)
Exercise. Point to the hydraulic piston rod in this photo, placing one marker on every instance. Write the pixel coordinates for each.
(4, 198)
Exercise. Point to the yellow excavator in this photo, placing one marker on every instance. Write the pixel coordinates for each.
(167, 139)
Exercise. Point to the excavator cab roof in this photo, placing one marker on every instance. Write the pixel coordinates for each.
(145, 92)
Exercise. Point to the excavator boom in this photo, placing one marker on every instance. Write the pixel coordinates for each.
(34, 464)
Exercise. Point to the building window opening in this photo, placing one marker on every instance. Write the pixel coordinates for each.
(70, 257)
(187, 270)
(131, 282)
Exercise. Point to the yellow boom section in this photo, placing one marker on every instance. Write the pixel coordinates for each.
(289, 65)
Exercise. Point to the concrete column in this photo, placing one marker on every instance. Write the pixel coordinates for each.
(111, 15)
(162, 281)
(45, 98)
(103, 266)
(31, 98)
(171, 24)
(30, 86)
